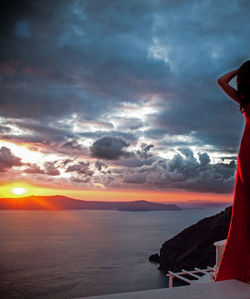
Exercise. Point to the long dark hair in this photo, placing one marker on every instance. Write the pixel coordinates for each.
(243, 85)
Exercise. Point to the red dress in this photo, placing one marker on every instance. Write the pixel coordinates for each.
(235, 261)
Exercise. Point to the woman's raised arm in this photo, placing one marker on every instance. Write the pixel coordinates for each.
(228, 89)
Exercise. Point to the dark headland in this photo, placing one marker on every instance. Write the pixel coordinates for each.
(193, 247)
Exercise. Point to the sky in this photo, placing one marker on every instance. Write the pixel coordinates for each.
(119, 100)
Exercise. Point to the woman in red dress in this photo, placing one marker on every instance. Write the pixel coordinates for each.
(235, 261)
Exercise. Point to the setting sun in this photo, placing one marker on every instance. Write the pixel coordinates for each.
(19, 190)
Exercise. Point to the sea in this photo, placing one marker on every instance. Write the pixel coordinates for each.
(72, 254)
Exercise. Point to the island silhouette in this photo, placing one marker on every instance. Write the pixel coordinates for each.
(59, 202)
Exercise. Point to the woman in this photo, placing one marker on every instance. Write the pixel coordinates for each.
(235, 261)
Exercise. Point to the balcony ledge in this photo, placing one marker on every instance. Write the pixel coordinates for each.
(226, 289)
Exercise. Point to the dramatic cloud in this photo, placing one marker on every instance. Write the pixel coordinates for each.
(122, 98)
(110, 148)
(99, 165)
(145, 148)
(80, 168)
(34, 169)
(7, 159)
(184, 172)
(51, 169)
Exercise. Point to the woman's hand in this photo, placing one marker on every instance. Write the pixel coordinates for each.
(228, 89)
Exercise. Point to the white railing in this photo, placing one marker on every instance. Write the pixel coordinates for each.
(171, 275)
(220, 245)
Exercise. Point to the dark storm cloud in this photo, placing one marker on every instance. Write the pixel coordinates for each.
(205, 159)
(137, 158)
(109, 148)
(144, 150)
(34, 169)
(80, 168)
(70, 147)
(93, 71)
(62, 58)
(79, 180)
(99, 165)
(96, 71)
(51, 169)
(208, 121)
(184, 173)
(140, 157)
(8, 160)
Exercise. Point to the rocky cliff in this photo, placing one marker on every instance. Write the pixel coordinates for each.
(193, 247)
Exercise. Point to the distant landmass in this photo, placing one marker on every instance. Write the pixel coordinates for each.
(203, 204)
(193, 247)
(65, 203)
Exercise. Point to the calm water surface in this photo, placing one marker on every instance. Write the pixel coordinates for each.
(68, 254)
